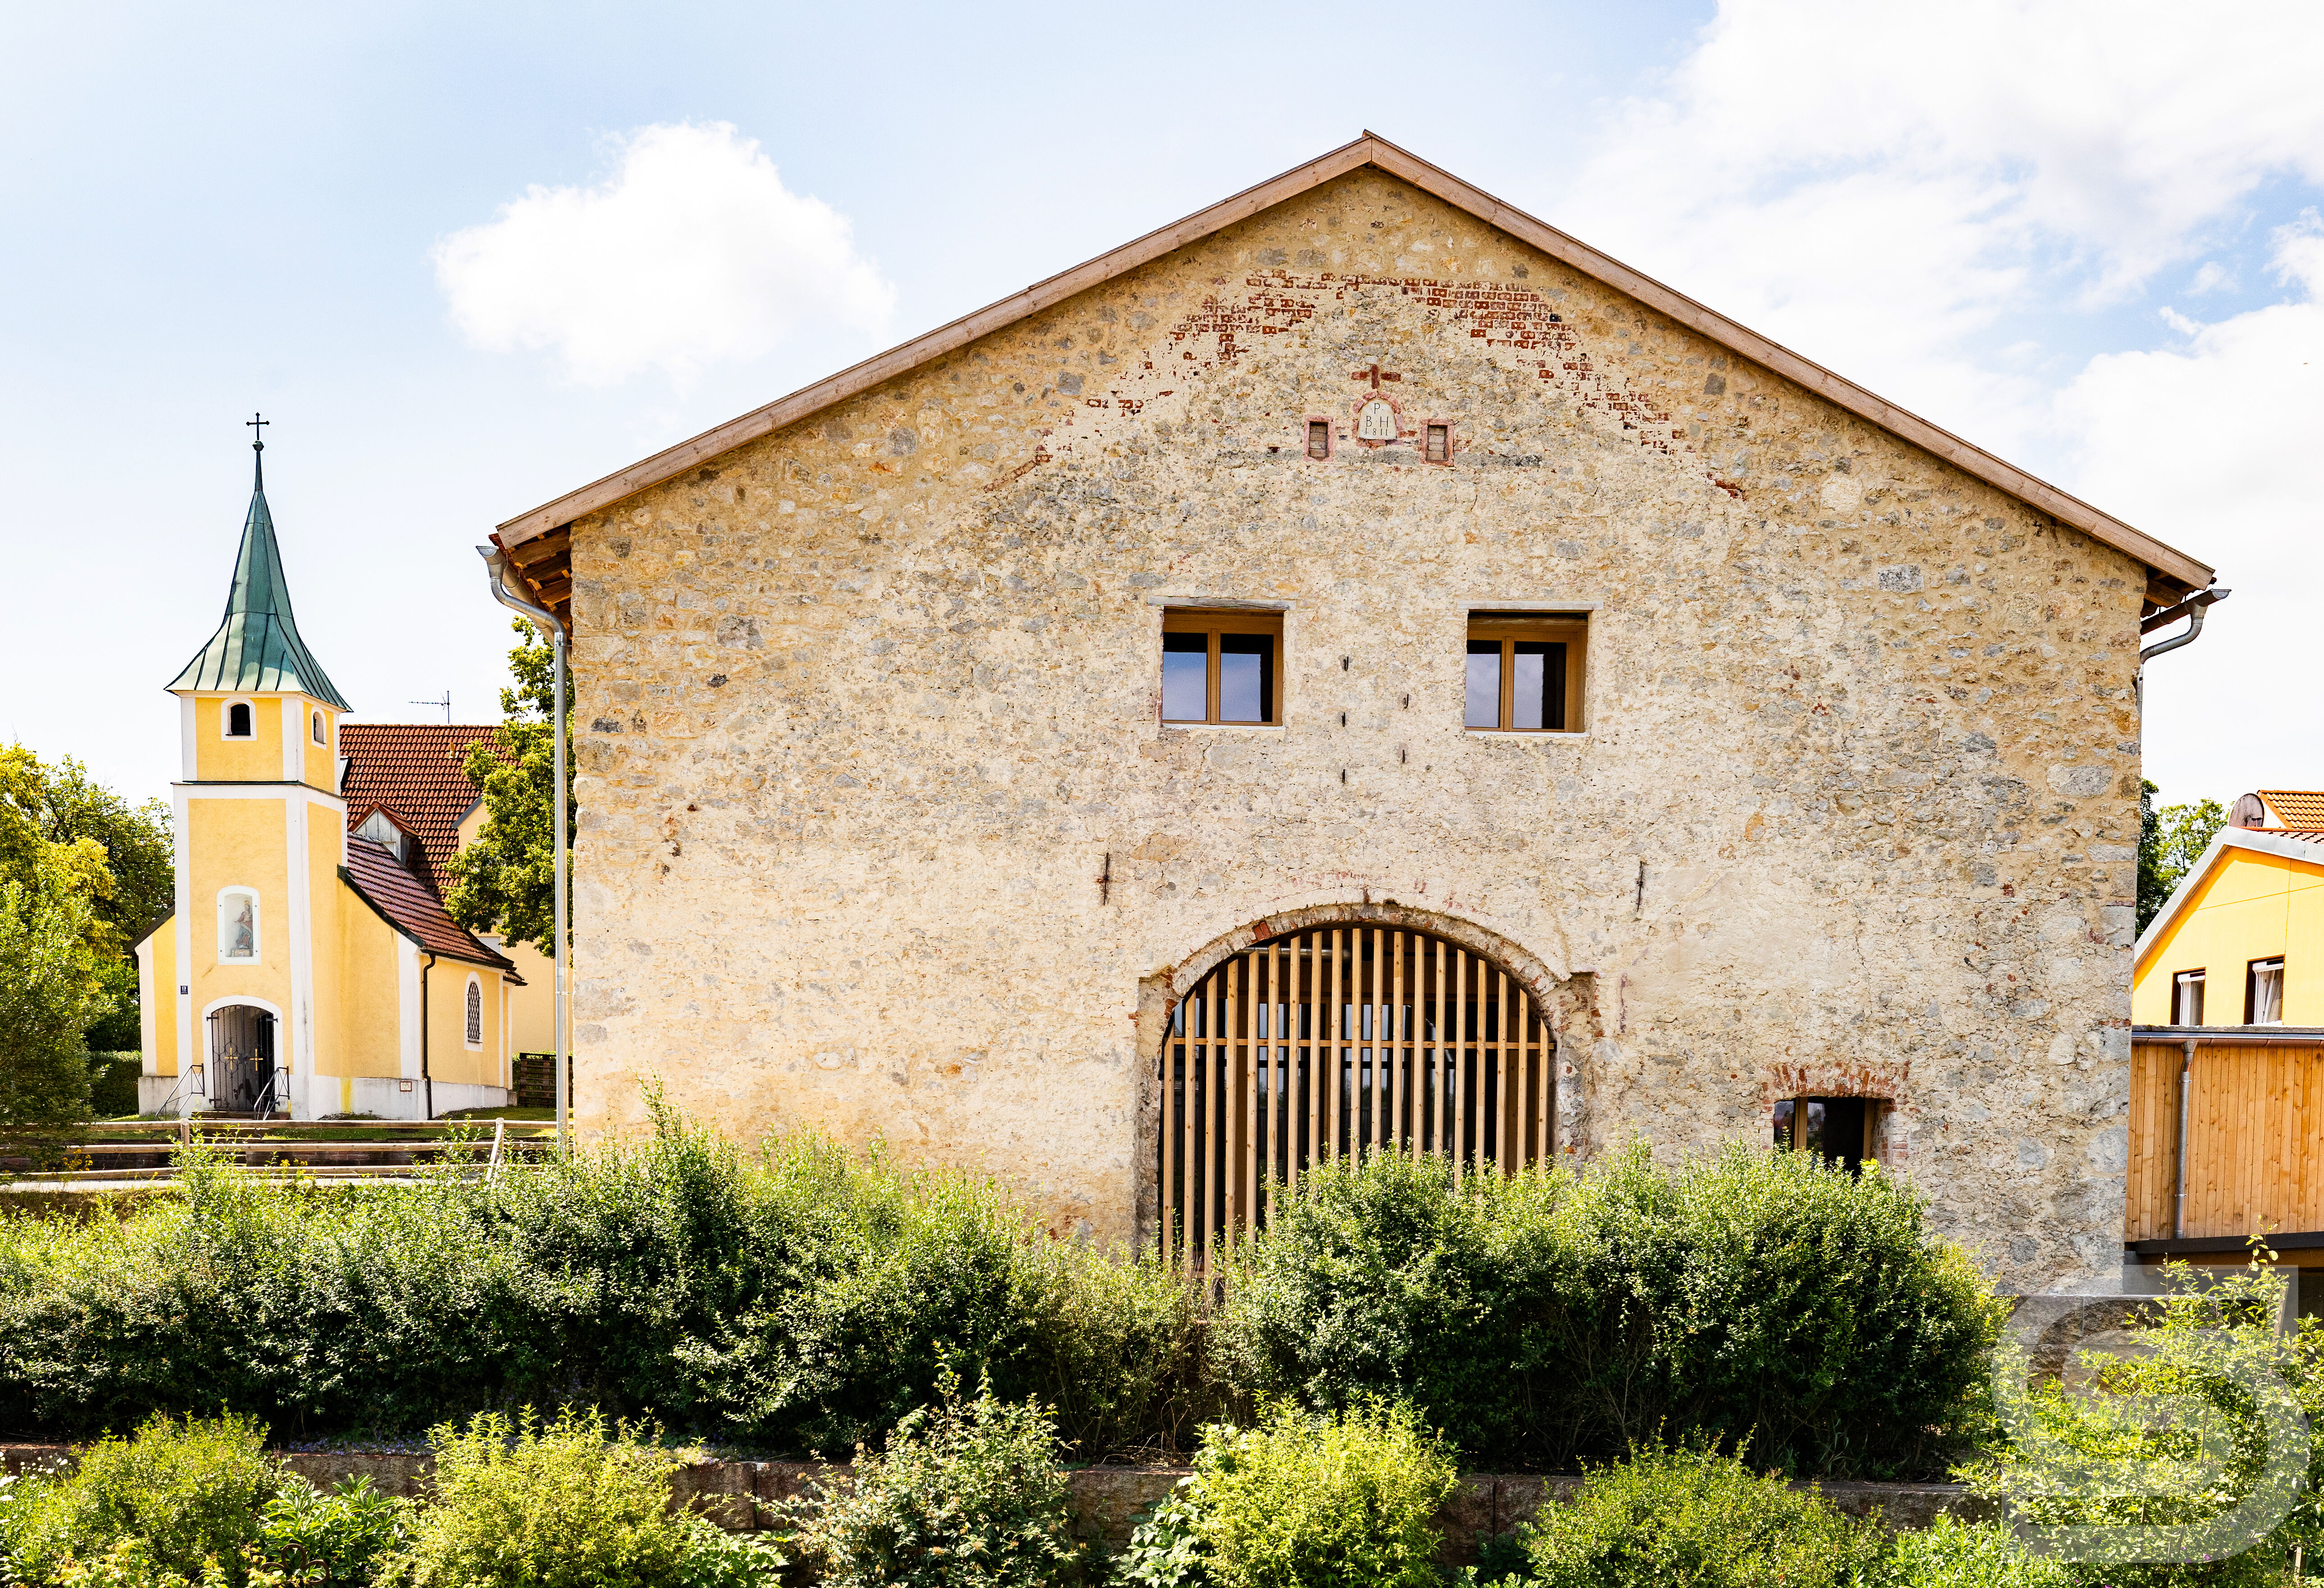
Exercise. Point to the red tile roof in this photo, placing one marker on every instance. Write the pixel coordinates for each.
(2303, 808)
(409, 906)
(412, 769)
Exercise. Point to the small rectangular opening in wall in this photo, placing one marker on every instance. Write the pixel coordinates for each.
(1841, 1131)
(2263, 992)
(1439, 444)
(1319, 437)
(1222, 666)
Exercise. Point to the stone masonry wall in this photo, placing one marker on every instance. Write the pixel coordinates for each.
(868, 707)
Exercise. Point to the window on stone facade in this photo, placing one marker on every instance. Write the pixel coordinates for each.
(1319, 437)
(1525, 673)
(237, 720)
(2263, 995)
(1838, 1130)
(1439, 447)
(2187, 999)
(1222, 666)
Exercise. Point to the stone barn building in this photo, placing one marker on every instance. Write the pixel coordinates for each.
(1359, 666)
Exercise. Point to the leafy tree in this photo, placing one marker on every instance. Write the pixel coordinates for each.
(83, 875)
(2171, 840)
(49, 993)
(505, 881)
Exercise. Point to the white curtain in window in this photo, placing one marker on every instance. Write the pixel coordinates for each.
(2267, 992)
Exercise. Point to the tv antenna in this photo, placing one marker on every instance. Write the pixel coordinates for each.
(446, 703)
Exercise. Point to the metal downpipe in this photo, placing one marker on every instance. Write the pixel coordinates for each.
(2179, 1204)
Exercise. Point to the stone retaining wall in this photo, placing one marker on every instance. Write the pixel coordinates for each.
(1106, 1500)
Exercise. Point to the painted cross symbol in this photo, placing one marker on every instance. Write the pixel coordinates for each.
(1374, 376)
(257, 436)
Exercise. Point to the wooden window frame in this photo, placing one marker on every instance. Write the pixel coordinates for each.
(1426, 428)
(1570, 629)
(1214, 622)
(2199, 978)
(1307, 438)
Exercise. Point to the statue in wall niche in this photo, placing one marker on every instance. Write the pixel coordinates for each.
(242, 931)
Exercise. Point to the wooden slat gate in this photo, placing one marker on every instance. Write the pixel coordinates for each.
(1337, 1041)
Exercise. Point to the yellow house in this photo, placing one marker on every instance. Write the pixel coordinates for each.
(306, 968)
(2226, 1117)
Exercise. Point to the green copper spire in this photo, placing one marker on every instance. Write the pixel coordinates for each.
(257, 647)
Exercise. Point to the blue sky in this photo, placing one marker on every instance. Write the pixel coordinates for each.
(468, 257)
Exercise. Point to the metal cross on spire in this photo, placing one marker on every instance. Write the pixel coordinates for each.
(257, 436)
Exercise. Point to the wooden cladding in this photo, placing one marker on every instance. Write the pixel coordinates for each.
(1335, 1042)
(2254, 1115)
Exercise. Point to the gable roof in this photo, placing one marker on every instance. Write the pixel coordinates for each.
(257, 645)
(406, 904)
(2307, 848)
(537, 541)
(412, 771)
(2299, 808)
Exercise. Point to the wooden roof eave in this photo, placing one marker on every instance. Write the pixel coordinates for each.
(2173, 567)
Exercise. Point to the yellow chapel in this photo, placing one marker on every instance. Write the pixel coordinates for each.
(309, 967)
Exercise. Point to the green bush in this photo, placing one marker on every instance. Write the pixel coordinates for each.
(568, 1503)
(1346, 1500)
(309, 1540)
(181, 1499)
(1952, 1554)
(1694, 1518)
(1556, 1317)
(112, 1079)
(799, 1300)
(965, 1495)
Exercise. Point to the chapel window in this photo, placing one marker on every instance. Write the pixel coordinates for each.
(1222, 666)
(237, 720)
(2187, 998)
(1525, 673)
(475, 1013)
(317, 729)
(2263, 995)
(1838, 1130)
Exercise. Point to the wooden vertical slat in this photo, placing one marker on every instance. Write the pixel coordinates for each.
(1459, 1063)
(1445, 1034)
(1315, 978)
(1247, 1090)
(1545, 1092)
(1502, 1154)
(1395, 1050)
(1519, 1114)
(1231, 1102)
(1379, 1033)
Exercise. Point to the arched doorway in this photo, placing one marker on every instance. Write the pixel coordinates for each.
(241, 1060)
(1336, 1040)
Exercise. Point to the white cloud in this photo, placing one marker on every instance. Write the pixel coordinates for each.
(691, 252)
(2210, 446)
(1879, 185)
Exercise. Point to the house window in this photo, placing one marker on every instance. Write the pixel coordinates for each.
(2264, 999)
(237, 720)
(475, 1037)
(1525, 673)
(1838, 1130)
(237, 926)
(1319, 437)
(2187, 999)
(1439, 444)
(1222, 666)
(319, 727)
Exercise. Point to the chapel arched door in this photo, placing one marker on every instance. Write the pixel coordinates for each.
(1340, 1040)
